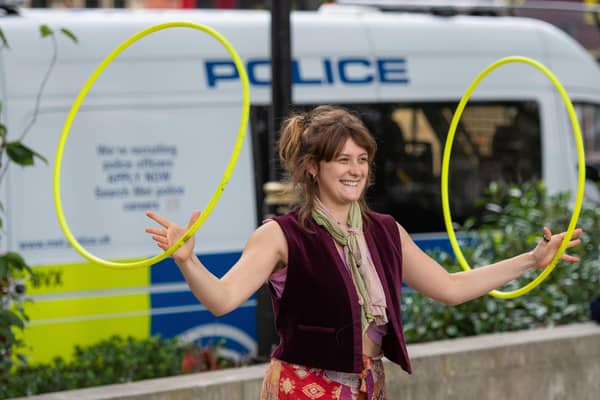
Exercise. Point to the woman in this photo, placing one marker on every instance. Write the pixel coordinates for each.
(336, 268)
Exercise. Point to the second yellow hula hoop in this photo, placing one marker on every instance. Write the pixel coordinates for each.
(226, 175)
(580, 183)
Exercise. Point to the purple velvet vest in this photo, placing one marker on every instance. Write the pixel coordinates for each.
(318, 315)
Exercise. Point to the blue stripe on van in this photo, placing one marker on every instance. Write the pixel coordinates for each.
(440, 241)
(434, 243)
(164, 300)
(244, 319)
(175, 312)
(167, 272)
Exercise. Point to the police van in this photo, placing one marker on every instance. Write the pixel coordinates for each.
(156, 130)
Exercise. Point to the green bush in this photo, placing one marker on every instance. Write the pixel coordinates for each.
(115, 360)
(511, 223)
(205, 358)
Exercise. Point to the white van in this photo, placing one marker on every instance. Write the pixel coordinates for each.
(156, 131)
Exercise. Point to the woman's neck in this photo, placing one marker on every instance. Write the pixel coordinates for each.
(338, 212)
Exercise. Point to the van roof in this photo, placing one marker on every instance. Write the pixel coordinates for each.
(466, 43)
(511, 30)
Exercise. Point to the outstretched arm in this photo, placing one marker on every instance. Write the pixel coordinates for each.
(425, 275)
(265, 249)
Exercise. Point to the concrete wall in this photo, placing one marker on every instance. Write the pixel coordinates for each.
(548, 364)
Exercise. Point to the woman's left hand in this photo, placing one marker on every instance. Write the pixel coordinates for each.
(546, 249)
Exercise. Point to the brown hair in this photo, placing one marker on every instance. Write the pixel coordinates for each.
(319, 135)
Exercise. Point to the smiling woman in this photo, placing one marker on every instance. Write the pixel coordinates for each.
(335, 267)
(327, 152)
(344, 178)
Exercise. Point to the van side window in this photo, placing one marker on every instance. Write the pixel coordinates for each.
(589, 121)
(495, 141)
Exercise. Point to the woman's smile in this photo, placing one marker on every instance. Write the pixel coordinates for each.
(343, 179)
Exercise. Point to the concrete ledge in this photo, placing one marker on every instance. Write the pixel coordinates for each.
(555, 363)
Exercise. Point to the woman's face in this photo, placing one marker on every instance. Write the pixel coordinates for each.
(343, 179)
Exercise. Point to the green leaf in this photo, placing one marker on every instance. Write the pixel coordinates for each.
(3, 40)
(3, 268)
(41, 157)
(70, 35)
(45, 31)
(21, 154)
(2, 130)
(14, 257)
(7, 333)
(15, 261)
(23, 359)
(8, 317)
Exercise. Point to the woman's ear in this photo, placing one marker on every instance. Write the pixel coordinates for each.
(313, 169)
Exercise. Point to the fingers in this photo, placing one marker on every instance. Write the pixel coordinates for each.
(576, 233)
(156, 231)
(161, 240)
(166, 223)
(161, 235)
(160, 220)
(193, 218)
(575, 240)
(569, 258)
(548, 235)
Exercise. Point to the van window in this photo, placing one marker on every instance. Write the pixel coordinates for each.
(589, 121)
(495, 141)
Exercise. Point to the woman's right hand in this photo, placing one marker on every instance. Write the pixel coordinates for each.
(170, 233)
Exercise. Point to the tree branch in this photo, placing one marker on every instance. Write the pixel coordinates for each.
(38, 99)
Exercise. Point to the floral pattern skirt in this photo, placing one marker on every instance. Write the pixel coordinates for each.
(284, 381)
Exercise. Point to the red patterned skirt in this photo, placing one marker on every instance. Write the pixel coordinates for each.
(285, 381)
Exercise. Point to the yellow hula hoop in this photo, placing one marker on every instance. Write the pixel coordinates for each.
(581, 173)
(228, 170)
